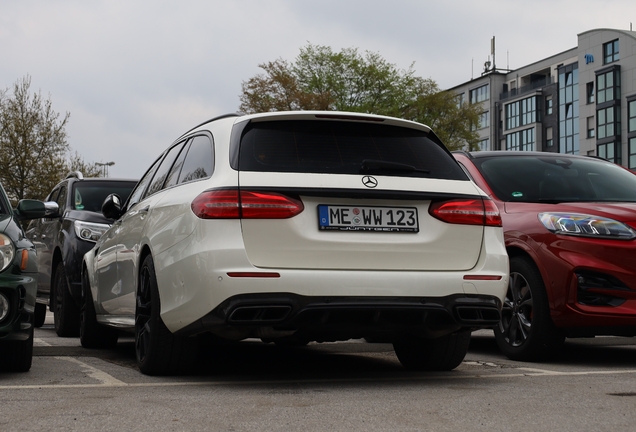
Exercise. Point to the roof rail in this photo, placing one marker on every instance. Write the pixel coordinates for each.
(75, 174)
(211, 120)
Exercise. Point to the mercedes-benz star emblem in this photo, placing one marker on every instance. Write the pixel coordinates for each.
(369, 181)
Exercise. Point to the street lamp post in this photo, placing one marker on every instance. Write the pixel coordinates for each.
(105, 166)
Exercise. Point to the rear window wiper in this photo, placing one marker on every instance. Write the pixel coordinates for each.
(374, 165)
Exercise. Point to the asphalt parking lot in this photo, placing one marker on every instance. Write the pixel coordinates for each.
(350, 385)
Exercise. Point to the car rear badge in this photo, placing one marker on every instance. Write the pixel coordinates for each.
(369, 181)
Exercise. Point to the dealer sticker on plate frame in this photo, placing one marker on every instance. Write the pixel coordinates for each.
(368, 218)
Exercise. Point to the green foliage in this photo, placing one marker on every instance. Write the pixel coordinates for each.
(34, 153)
(321, 79)
(32, 143)
(77, 163)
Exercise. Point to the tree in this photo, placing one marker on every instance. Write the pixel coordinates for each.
(77, 163)
(322, 79)
(33, 147)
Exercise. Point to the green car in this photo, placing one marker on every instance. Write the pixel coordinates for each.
(18, 282)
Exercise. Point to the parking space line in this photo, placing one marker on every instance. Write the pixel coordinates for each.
(543, 372)
(40, 342)
(108, 381)
(96, 374)
(540, 371)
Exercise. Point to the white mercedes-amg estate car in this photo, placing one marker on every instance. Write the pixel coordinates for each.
(295, 227)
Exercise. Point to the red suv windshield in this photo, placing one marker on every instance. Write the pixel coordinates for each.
(556, 179)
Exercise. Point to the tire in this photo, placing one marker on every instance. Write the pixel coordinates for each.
(526, 331)
(66, 313)
(17, 356)
(158, 351)
(440, 354)
(40, 315)
(92, 334)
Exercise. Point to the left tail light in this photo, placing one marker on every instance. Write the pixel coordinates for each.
(245, 204)
(467, 212)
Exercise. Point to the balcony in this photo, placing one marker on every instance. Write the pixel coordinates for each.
(526, 89)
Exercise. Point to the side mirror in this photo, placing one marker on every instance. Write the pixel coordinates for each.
(111, 208)
(33, 209)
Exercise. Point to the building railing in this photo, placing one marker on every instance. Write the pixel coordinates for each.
(526, 89)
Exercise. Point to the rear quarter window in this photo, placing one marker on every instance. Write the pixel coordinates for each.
(332, 147)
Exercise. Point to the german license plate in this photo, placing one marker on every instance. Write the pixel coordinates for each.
(363, 218)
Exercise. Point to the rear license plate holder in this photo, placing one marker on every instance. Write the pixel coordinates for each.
(388, 219)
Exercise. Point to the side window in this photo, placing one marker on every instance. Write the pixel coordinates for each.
(61, 199)
(173, 177)
(162, 172)
(53, 195)
(199, 162)
(136, 194)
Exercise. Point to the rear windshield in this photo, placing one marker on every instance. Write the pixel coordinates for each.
(90, 195)
(331, 147)
(557, 179)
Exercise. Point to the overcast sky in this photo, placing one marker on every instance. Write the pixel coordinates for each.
(136, 74)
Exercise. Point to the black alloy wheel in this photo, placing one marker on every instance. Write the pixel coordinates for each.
(158, 351)
(526, 331)
(516, 322)
(66, 315)
(143, 315)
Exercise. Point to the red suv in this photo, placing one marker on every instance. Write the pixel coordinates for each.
(570, 231)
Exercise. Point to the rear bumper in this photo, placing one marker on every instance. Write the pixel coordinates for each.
(326, 318)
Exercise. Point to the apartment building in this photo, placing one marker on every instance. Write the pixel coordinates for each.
(580, 101)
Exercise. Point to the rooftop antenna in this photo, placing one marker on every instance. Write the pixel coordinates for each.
(492, 51)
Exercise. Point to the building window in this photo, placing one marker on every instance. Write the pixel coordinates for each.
(549, 141)
(569, 109)
(512, 115)
(484, 120)
(459, 100)
(480, 94)
(520, 141)
(590, 127)
(548, 105)
(608, 86)
(632, 153)
(631, 112)
(631, 130)
(608, 122)
(608, 151)
(521, 113)
(483, 145)
(590, 92)
(528, 111)
(610, 52)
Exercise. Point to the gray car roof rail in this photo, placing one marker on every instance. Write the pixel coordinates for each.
(75, 174)
(208, 121)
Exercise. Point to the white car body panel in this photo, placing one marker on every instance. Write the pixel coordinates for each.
(193, 278)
